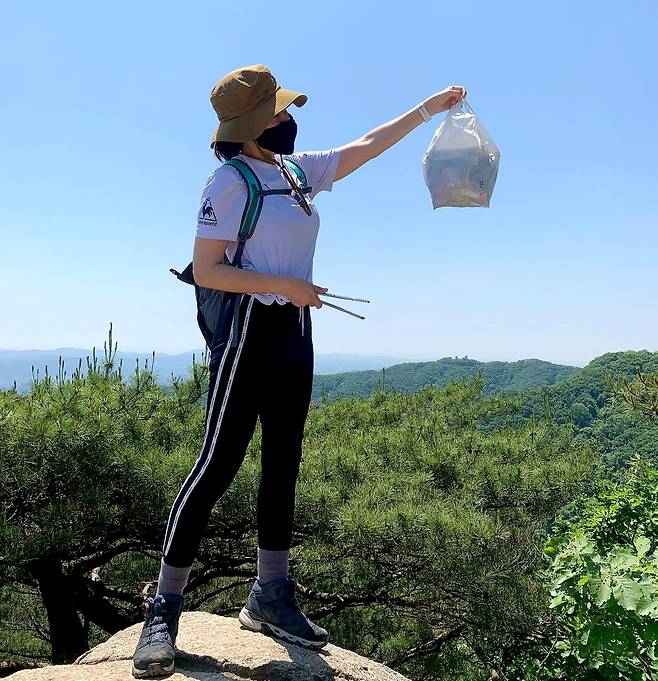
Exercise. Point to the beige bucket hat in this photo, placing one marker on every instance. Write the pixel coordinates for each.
(246, 100)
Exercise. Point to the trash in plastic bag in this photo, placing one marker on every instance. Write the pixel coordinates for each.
(461, 163)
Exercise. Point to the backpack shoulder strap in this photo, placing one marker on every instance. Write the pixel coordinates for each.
(254, 202)
(296, 168)
(250, 214)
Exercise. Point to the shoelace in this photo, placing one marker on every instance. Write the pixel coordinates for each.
(158, 630)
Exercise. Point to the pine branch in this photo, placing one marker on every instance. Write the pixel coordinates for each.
(102, 590)
(87, 563)
(195, 604)
(18, 653)
(428, 647)
(93, 602)
(201, 580)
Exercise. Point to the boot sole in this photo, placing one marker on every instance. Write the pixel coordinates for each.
(154, 669)
(250, 621)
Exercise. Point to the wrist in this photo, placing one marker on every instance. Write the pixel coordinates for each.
(281, 285)
(424, 111)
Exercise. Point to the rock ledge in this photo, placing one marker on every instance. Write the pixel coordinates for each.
(214, 648)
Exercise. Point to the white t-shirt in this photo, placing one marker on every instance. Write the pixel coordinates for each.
(283, 242)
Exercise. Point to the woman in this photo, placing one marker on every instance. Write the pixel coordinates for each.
(261, 362)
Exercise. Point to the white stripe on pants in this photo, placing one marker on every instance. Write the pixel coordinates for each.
(197, 473)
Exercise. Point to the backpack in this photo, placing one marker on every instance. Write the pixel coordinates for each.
(210, 301)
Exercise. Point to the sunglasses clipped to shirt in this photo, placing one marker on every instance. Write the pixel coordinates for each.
(295, 189)
(298, 192)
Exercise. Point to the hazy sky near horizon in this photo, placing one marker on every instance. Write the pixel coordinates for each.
(105, 123)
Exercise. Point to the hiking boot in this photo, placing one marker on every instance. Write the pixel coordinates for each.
(272, 608)
(155, 651)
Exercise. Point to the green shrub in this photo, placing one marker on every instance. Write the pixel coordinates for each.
(604, 581)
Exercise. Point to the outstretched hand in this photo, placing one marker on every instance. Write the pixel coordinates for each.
(443, 100)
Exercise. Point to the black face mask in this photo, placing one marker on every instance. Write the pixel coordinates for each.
(280, 138)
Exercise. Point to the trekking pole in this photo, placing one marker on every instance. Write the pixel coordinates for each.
(333, 295)
(342, 309)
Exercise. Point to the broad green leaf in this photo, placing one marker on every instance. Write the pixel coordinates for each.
(642, 544)
(563, 578)
(627, 592)
(621, 559)
(648, 604)
(603, 594)
(558, 600)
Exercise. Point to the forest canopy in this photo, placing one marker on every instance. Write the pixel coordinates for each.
(433, 527)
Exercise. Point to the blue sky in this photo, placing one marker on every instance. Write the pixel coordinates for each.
(106, 121)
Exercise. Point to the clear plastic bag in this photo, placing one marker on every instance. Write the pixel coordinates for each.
(460, 165)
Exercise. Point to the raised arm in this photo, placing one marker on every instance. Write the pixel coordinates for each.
(376, 141)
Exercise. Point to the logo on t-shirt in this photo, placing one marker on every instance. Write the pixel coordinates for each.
(206, 213)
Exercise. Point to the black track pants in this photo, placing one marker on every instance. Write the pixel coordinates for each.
(267, 373)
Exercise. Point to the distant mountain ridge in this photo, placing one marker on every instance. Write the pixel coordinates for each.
(16, 365)
(335, 375)
(412, 376)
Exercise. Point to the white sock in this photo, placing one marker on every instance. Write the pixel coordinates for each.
(172, 580)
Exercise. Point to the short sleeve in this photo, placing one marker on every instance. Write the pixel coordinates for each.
(319, 167)
(222, 204)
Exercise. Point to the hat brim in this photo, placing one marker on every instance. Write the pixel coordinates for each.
(251, 125)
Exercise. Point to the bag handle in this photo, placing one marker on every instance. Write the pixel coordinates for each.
(462, 103)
